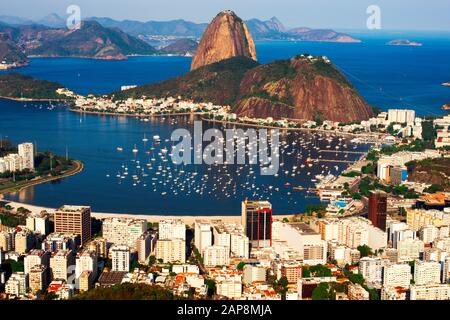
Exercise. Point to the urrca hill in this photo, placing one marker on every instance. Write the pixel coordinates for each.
(303, 88)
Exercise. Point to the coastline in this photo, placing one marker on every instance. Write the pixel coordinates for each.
(254, 125)
(79, 168)
(34, 99)
(148, 217)
(137, 115)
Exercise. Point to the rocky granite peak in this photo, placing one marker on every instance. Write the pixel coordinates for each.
(227, 36)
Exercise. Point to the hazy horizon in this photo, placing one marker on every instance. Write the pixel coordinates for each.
(407, 15)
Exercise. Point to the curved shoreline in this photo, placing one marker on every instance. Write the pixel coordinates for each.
(78, 168)
(34, 100)
(289, 129)
(222, 122)
(137, 115)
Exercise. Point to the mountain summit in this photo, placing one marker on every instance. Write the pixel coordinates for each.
(227, 36)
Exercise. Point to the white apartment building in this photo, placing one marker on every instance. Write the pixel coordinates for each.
(240, 245)
(39, 223)
(403, 116)
(401, 235)
(254, 274)
(430, 292)
(426, 273)
(61, 263)
(24, 159)
(203, 235)
(230, 288)
(216, 256)
(185, 268)
(410, 249)
(36, 257)
(17, 284)
(342, 254)
(352, 232)
(302, 239)
(372, 269)
(232, 235)
(120, 231)
(397, 275)
(429, 233)
(171, 250)
(120, 258)
(26, 153)
(86, 261)
(172, 229)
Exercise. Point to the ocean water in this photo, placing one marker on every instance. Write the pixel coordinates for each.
(386, 76)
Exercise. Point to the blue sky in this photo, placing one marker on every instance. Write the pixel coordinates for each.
(338, 14)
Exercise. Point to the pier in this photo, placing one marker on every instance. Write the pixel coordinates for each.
(334, 160)
(344, 152)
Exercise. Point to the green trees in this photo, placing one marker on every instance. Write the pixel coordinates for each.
(324, 291)
(434, 188)
(11, 266)
(315, 208)
(280, 286)
(316, 271)
(127, 291)
(151, 260)
(356, 278)
(211, 286)
(241, 266)
(364, 250)
(12, 220)
(351, 174)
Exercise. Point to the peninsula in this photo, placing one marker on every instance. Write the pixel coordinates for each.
(16, 86)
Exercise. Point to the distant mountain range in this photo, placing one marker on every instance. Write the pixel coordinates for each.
(272, 29)
(92, 40)
(105, 38)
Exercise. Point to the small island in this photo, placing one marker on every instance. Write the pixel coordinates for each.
(404, 42)
(446, 106)
(16, 86)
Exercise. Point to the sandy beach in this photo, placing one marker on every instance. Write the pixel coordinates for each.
(189, 220)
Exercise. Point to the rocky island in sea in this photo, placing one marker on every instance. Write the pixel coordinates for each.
(404, 42)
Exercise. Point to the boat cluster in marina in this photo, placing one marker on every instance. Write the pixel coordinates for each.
(303, 160)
